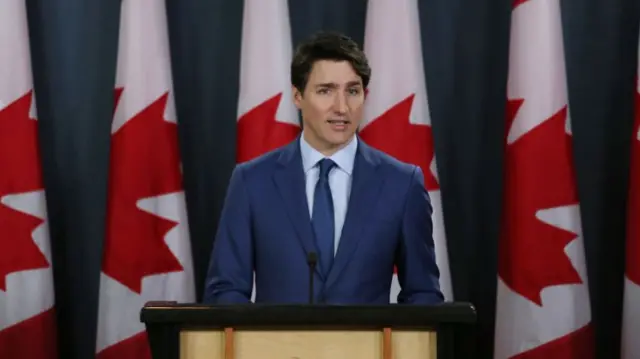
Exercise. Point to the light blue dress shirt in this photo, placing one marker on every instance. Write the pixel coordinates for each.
(339, 179)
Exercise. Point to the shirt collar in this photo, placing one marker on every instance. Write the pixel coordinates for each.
(344, 158)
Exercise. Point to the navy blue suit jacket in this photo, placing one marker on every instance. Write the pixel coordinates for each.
(265, 227)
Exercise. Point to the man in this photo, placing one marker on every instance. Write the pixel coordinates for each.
(357, 210)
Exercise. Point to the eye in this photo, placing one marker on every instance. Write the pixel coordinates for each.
(354, 91)
(323, 91)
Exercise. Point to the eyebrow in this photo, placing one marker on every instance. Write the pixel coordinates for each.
(335, 85)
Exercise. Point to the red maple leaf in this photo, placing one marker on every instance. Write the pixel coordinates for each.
(393, 134)
(633, 232)
(539, 175)
(116, 97)
(144, 163)
(259, 132)
(20, 169)
(517, 3)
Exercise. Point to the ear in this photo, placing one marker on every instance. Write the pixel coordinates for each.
(297, 97)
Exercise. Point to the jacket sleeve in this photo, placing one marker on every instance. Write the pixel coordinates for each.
(418, 273)
(230, 273)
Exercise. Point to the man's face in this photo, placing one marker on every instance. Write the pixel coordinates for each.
(331, 105)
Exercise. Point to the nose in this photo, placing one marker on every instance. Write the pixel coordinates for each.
(340, 103)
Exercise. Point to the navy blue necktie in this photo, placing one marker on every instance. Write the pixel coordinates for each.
(323, 222)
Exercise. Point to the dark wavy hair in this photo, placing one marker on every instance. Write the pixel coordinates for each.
(327, 46)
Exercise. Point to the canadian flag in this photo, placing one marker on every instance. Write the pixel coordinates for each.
(27, 317)
(631, 316)
(543, 308)
(396, 114)
(147, 253)
(267, 118)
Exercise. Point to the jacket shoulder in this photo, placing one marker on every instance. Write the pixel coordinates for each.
(390, 164)
(264, 164)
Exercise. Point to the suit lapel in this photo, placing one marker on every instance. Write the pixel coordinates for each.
(365, 188)
(290, 180)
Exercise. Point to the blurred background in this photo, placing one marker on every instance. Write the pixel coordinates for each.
(121, 121)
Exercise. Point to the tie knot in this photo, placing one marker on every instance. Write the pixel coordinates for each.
(325, 166)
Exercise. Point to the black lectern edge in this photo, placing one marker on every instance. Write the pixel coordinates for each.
(259, 315)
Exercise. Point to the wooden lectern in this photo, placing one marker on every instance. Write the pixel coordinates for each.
(258, 331)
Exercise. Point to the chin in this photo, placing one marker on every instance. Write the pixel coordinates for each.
(338, 139)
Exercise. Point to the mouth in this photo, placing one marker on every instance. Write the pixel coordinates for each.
(339, 125)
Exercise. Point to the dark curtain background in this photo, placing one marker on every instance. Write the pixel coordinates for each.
(465, 47)
(601, 52)
(74, 48)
